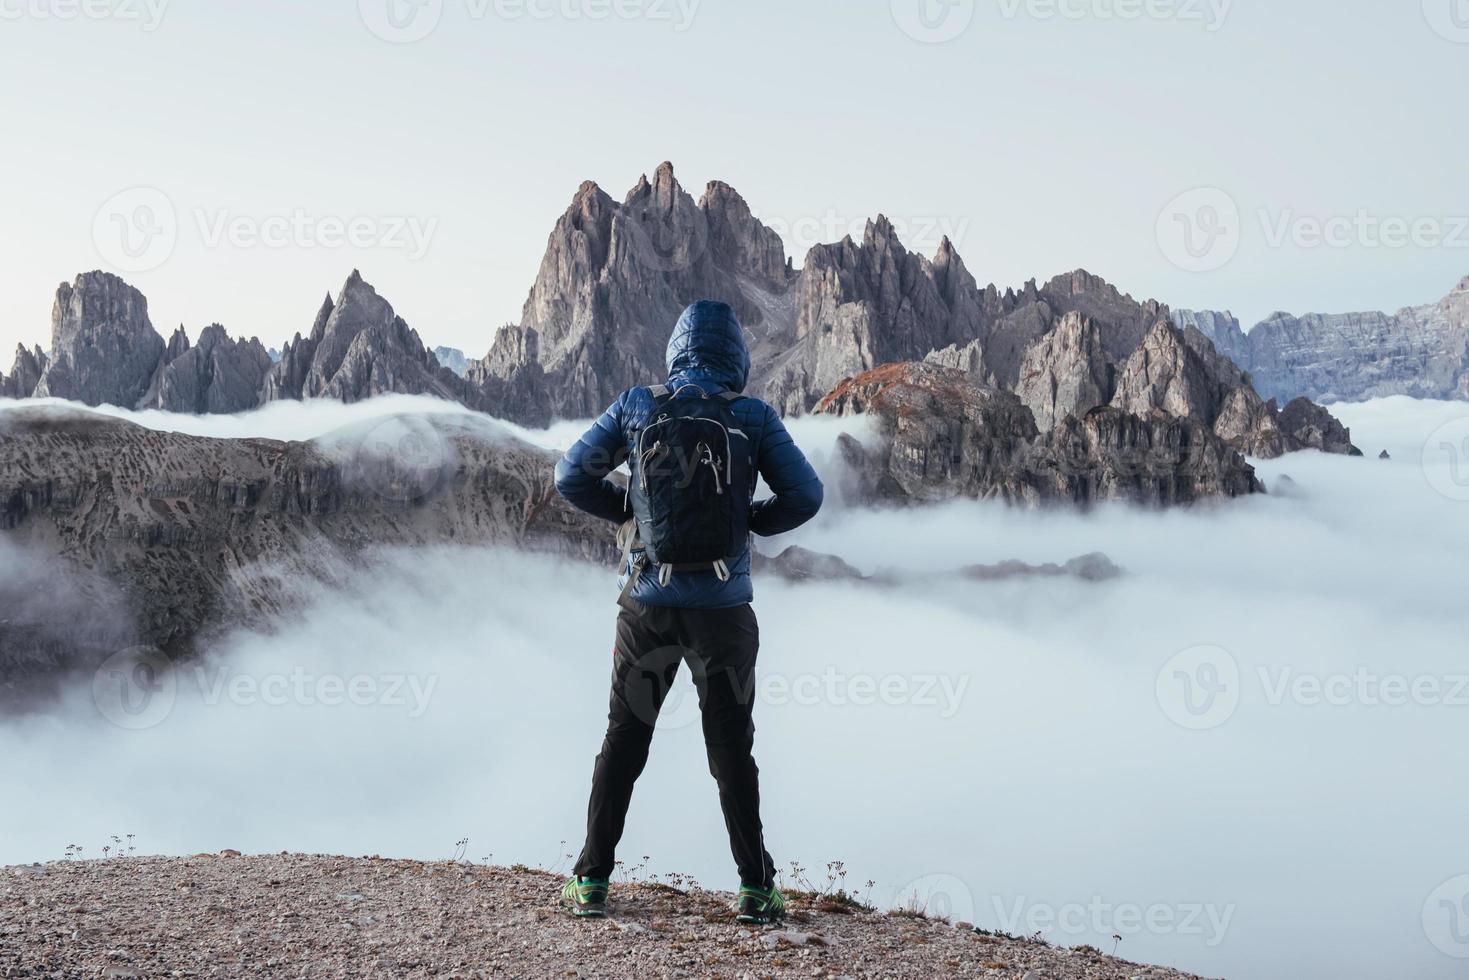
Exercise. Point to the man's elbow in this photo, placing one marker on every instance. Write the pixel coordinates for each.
(811, 499)
(571, 481)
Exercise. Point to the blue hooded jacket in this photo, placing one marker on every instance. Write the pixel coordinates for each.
(707, 349)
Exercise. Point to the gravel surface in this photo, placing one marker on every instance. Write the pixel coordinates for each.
(293, 915)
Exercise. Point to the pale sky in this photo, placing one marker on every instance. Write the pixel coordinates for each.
(1041, 135)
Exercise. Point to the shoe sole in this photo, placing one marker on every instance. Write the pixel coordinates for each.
(598, 912)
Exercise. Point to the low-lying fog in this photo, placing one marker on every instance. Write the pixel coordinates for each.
(1244, 757)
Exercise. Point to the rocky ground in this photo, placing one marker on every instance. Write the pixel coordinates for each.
(293, 915)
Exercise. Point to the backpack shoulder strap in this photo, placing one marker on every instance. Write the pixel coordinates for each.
(731, 396)
(658, 391)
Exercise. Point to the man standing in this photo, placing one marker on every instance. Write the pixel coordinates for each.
(693, 446)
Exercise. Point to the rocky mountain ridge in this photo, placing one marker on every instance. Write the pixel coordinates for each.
(612, 281)
(1421, 351)
(943, 435)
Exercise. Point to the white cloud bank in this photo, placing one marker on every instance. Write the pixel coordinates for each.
(1243, 757)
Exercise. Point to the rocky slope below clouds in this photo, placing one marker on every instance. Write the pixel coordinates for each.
(1421, 352)
(116, 535)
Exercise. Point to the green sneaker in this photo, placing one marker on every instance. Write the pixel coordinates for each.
(587, 896)
(760, 906)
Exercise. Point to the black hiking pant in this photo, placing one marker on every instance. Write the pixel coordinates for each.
(719, 645)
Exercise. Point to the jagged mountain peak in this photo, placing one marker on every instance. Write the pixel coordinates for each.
(589, 190)
(663, 187)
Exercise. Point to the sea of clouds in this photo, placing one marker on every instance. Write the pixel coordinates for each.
(1243, 757)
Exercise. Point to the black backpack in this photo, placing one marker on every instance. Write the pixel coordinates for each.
(691, 485)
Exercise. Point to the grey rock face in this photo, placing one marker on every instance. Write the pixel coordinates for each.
(968, 358)
(359, 348)
(1066, 372)
(797, 564)
(944, 437)
(287, 377)
(25, 374)
(862, 305)
(1121, 321)
(452, 358)
(1180, 373)
(1309, 426)
(1166, 375)
(1222, 329)
(104, 349)
(1093, 567)
(163, 529)
(216, 376)
(1422, 351)
(613, 281)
